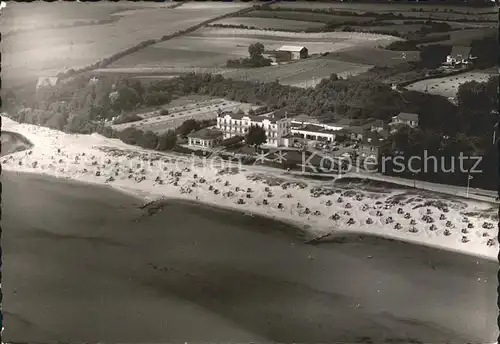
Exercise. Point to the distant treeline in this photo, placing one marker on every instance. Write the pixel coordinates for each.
(423, 3)
(377, 15)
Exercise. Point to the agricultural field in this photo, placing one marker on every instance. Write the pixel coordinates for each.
(27, 55)
(273, 24)
(181, 110)
(388, 29)
(465, 37)
(447, 86)
(374, 56)
(304, 73)
(211, 47)
(38, 15)
(307, 16)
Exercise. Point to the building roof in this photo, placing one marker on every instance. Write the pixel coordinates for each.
(344, 122)
(206, 134)
(460, 51)
(47, 81)
(405, 116)
(293, 48)
(315, 129)
(304, 118)
(259, 118)
(356, 129)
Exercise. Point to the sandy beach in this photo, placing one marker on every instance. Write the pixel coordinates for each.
(319, 208)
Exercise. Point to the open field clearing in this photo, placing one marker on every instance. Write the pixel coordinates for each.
(373, 56)
(202, 110)
(305, 73)
(28, 55)
(298, 37)
(211, 47)
(465, 37)
(37, 15)
(378, 7)
(268, 23)
(447, 86)
(308, 16)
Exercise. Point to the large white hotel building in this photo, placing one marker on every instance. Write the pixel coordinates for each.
(276, 128)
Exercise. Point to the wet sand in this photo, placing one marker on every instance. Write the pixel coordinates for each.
(82, 263)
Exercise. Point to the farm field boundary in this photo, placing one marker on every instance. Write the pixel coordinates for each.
(107, 61)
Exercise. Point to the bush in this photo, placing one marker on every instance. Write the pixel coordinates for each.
(130, 136)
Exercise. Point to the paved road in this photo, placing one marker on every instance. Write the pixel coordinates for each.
(78, 268)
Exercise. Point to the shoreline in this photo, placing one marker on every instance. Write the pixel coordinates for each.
(56, 148)
(301, 231)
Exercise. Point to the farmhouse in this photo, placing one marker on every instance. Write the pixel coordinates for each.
(404, 118)
(459, 55)
(45, 81)
(276, 127)
(296, 52)
(204, 138)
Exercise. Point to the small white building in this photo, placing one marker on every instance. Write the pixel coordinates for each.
(276, 127)
(459, 56)
(204, 138)
(297, 52)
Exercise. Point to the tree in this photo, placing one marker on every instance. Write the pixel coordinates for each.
(256, 136)
(187, 127)
(148, 140)
(166, 141)
(130, 135)
(256, 50)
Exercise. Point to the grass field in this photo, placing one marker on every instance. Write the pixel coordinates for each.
(447, 86)
(307, 16)
(36, 15)
(388, 29)
(304, 73)
(211, 47)
(271, 23)
(45, 52)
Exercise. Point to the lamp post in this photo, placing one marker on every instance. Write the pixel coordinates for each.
(469, 177)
